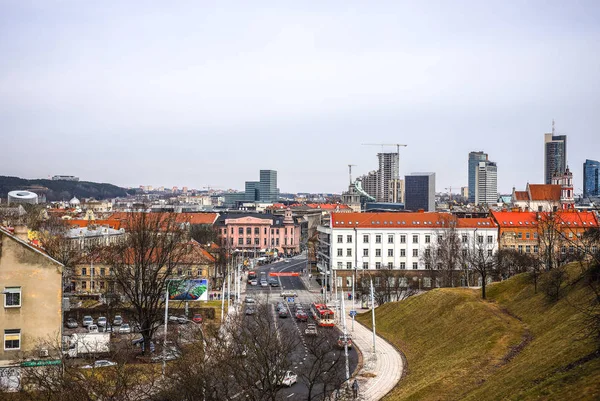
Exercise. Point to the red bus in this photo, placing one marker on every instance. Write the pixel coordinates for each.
(323, 315)
(251, 275)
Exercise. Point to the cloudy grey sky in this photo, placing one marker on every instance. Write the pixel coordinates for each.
(207, 93)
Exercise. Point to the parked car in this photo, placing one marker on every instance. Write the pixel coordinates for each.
(140, 342)
(283, 313)
(274, 283)
(286, 260)
(250, 311)
(101, 363)
(118, 320)
(289, 293)
(105, 329)
(92, 328)
(87, 320)
(174, 319)
(125, 329)
(250, 300)
(182, 320)
(264, 283)
(72, 323)
(289, 378)
(101, 321)
(197, 318)
(301, 316)
(170, 353)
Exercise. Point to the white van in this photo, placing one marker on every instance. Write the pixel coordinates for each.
(92, 328)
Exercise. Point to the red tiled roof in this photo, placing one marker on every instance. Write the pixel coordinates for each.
(544, 192)
(113, 223)
(407, 220)
(521, 195)
(529, 219)
(192, 218)
(512, 219)
(324, 206)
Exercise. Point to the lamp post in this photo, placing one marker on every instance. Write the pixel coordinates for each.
(373, 314)
(164, 362)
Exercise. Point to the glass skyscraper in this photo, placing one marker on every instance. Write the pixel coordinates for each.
(474, 159)
(419, 191)
(591, 183)
(555, 156)
(267, 187)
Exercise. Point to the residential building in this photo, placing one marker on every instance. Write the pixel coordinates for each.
(591, 178)
(474, 159)
(538, 198)
(259, 234)
(394, 241)
(555, 155)
(464, 192)
(30, 317)
(396, 191)
(368, 183)
(388, 173)
(486, 183)
(419, 192)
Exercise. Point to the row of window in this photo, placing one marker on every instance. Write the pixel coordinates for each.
(378, 265)
(415, 238)
(256, 230)
(84, 271)
(274, 241)
(390, 252)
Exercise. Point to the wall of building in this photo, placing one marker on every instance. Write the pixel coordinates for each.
(40, 279)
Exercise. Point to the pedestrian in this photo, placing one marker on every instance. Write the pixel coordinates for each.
(355, 389)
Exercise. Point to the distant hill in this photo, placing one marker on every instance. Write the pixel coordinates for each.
(61, 190)
(516, 345)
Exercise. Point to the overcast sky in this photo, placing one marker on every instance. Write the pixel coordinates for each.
(205, 93)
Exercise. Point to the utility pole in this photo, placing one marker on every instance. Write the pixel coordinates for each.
(373, 317)
(345, 340)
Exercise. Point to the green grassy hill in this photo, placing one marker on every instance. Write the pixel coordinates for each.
(515, 345)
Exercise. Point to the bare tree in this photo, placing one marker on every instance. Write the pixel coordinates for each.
(549, 238)
(481, 258)
(444, 254)
(389, 285)
(143, 263)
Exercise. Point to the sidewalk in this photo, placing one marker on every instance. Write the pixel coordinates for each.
(376, 377)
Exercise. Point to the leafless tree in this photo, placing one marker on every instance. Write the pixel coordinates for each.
(444, 254)
(389, 285)
(143, 263)
(550, 239)
(481, 259)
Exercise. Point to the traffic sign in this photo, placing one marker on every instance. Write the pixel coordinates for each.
(352, 313)
(290, 299)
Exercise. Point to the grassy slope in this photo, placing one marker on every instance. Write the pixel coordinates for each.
(455, 344)
(451, 340)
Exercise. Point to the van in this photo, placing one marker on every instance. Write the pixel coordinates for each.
(92, 328)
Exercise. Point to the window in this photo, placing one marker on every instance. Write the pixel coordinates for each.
(248, 241)
(12, 297)
(415, 239)
(256, 231)
(427, 282)
(231, 230)
(240, 241)
(248, 230)
(340, 252)
(527, 248)
(365, 265)
(403, 239)
(84, 271)
(440, 238)
(390, 239)
(378, 265)
(390, 265)
(256, 241)
(464, 238)
(349, 252)
(428, 239)
(378, 252)
(264, 241)
(415, 252)
(241, 230)
(480, 239)
(277, 231)
(102, 285)
(102, 271)
(490, 238)
(428, 252)
(519, 235)
(348, 265)
(340, 265)
(402, 252)
(520, 248)
(83, 285)
(390, 252)
(365, 239)
(378, 239)
(349, 239)
(277, 241)
(12, 339)
(402, 265)
(265, 231)
(366, 252)
(490, 252)
(464, 253)
(536, 249)
(340, 239)
(415, 265)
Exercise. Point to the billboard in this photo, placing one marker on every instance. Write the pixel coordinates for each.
(188, 290)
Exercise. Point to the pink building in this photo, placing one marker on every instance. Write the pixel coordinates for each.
(260, 233)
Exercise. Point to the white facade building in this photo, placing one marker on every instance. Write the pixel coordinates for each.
(486, 183)
(395, 240)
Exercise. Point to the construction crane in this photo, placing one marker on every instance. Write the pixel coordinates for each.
(397, 145)
(350, 171)
(449, 189)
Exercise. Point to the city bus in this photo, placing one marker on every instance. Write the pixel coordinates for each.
(323, 315)
(251, 275)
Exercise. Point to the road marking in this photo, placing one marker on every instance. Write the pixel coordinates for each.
(290, 395)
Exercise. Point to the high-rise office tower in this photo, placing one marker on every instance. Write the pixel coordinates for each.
(474, 159)
(555, 155)
(591, 178)
(267, 187)
(419, 192)
(388, 171)
(486, 183)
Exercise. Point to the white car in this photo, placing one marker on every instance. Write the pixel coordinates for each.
(101, 321)
(92, 328)
(125, 329)
(264, 284)
(286, 260)
(289, 379)
(101, 363)
(87, 320)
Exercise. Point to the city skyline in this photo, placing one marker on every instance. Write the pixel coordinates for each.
(178, 94)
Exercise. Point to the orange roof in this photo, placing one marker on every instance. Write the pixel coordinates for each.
(405, 220)
(544, 192)
(114, 223)
(324, 206)
(192, 218)
(521, 195)
(529, 219)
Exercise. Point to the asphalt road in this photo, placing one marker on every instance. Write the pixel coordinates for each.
(272, 295)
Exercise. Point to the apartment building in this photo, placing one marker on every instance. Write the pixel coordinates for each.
(30, 318)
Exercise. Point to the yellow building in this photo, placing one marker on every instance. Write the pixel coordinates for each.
(30, 317)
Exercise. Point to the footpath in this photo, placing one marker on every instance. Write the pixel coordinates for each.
(380, 372)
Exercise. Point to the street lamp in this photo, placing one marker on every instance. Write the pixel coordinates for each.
(373, 313)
